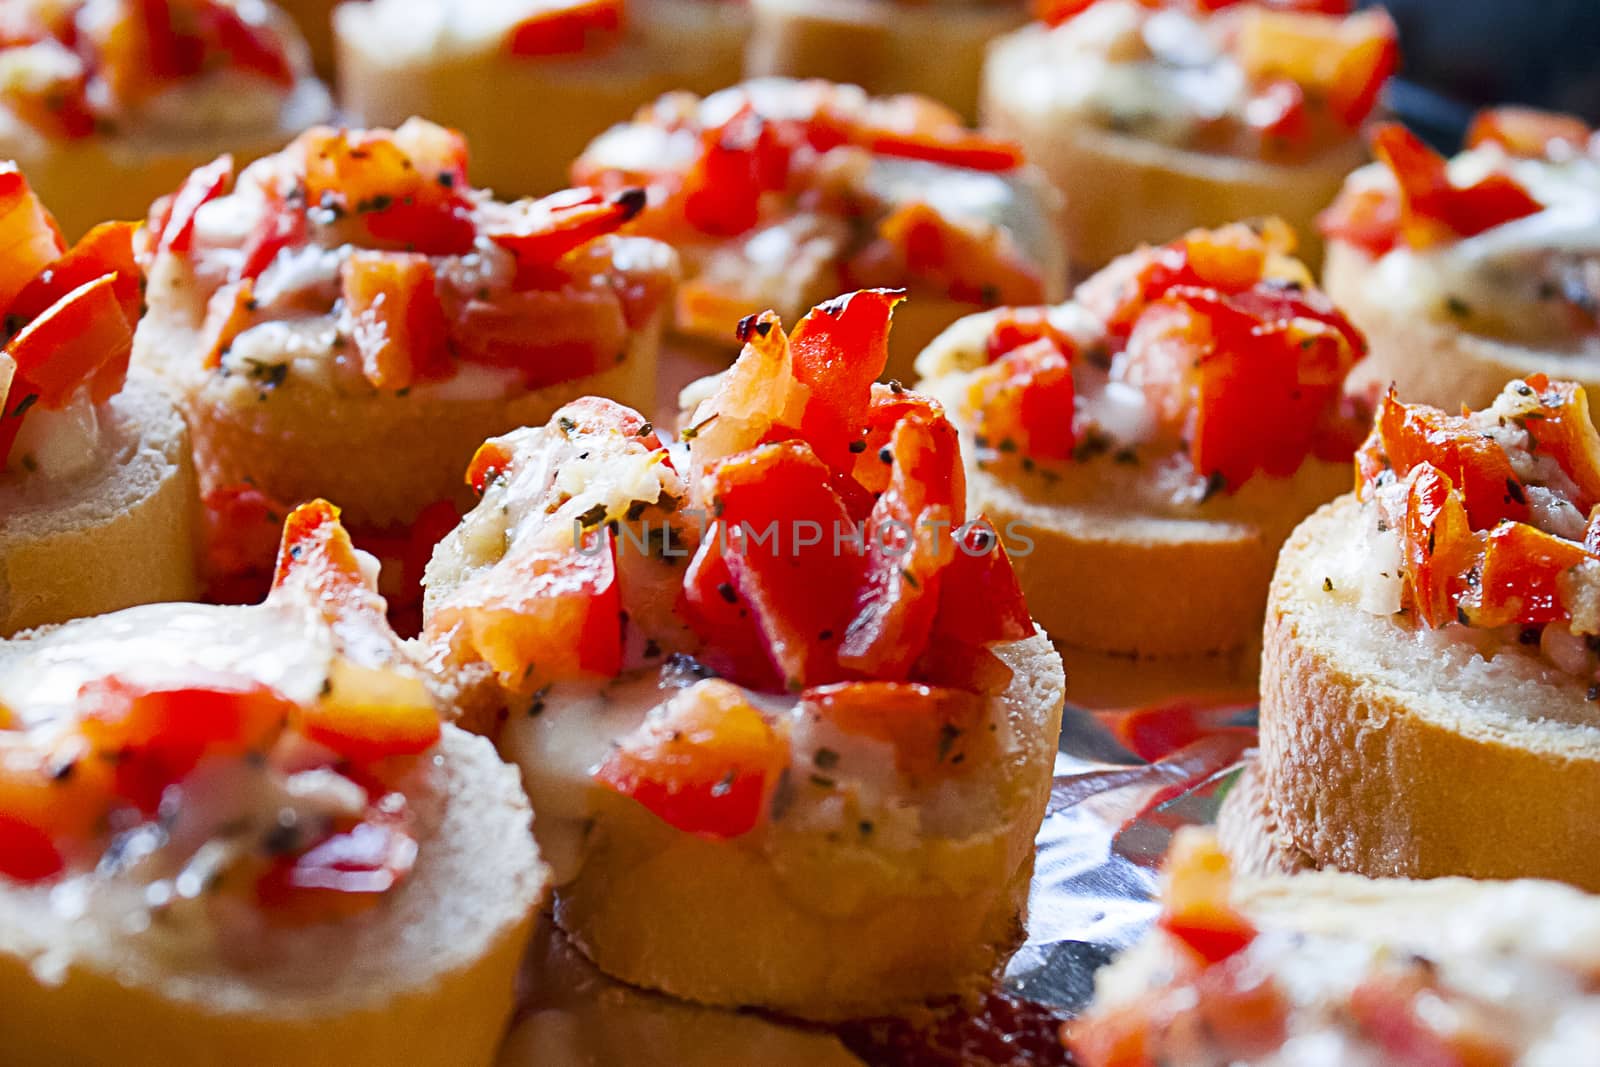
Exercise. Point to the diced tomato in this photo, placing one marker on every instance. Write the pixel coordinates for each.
(548, 337)
(282, 225)
(951, 146)
(789, 567)
(340, 876)
(740, 160)
(969, 264)
(1438, 545)
(83, 337)
(543, 231)
(29, 239)
(838, 350)
(317, 557)
(981, 573)
(1433, 211)
(1016, 327)
(27, 854)
(172, 217)
(1367, 218)
(1528, 132)
(228, 314)
(871, 475)
(398, 321)
(568, 29)
(405, 188)
(1278, 113)
(1123, 1035)
(1565, 431)
(156, 733)
(492, 459)
(705, 763)
(911, 540)
(1229, 259)
(368, 714)
(52, 797)
(56, 104)
(935, 733)
(1025, 401)
(708, 601)
(242, 528)
(1520, 578)
(255, 48)
(1410, 435)
(599, 415)
(1196, 909)
(1344, 60)
(105, 249)
(551, 614)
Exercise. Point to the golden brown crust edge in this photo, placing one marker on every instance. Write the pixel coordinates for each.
(1430, 361)
(1362, 778)
(730, 926)
(128, 539)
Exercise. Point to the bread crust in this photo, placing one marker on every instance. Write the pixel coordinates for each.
(880, 45)
(1248, 830)
(1123, 191)
(1432, 361)
(1384, 769)
(382, 456)
(818, 928)
(429, 982)
(120, 535)
(499, 101)
(88, 181)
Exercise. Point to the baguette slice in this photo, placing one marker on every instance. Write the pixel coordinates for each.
(883, 46)
(1388, 751)
(1123, 191)
(807, 925)
(118, 535)
(1352, 971)
(1428, 358)
(399, 58)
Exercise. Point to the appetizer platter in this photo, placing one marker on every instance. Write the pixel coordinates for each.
(858, 532)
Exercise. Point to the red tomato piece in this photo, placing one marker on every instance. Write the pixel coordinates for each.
(791, 568)
(340, 876)
(543, 231)
(172, 217)
(1411, 435)
(740, 160)
(968, 265)
(1438, 545)
(405, 188)
(574, 27)
(242, 528)
(548, 337)
(705, 763)
(1528, 132)
(491, 460)
(1230, 259)
(1025, 401)
(228, 314)
(52, 798)
(551, 614)
(1566, 432)
(283, 225)
(83, 337)
(157, 733)
(1520, 577)
(1432, 210)
(105, 249)
(30, 241)
(838, 350)
(398, 321)
(254, 48)
(1389, 1010)
(1366, 218)
(1278, 113)
(1196, 906)
(911, 540)
(980, 599)
(952, 146)
(27, 854)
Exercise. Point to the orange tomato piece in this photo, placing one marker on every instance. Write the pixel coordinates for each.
(83, 338)
(1025, 402)
(398, 320)
(105, 249)
(705, 763)
(1343, 60)
(936, 733)
(1434, 211)
(1520, 576)
(228, 314)
(547, 337)
(1414, 434)
(1438, 545)
(1565, 431)
(1528, 132)
(368, 714)
(974, 266)
(1196, 909)
(30, 241)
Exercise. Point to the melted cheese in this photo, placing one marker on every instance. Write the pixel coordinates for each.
(57, 444)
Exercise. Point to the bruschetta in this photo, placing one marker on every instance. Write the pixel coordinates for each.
(1156, 117)
(241, 835)
(107, 104)
(884, 46)
(98, 505)
(1429, 679)
(781, 707)
(1469, 272)
(1341, 970)
(530, 82)
(350, 317)
(781, 193)
(1157, 438)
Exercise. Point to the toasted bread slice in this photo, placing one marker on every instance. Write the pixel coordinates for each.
(880, 45)
(807, 924)
(118, 535)
(1392, 751)
(1431, 360)
(1248, 830)
(396, 61)
(1342, 969)
(1123, 191)
(396, 453)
